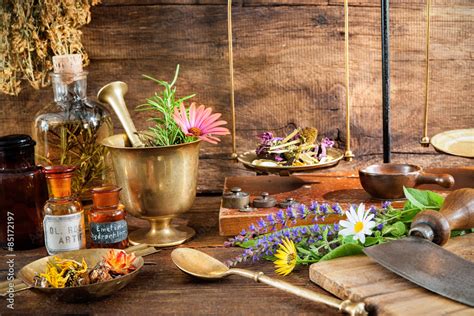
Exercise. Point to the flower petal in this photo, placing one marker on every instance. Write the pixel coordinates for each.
(345, 223)
(361, 212)
(202, 114)
(192, 115)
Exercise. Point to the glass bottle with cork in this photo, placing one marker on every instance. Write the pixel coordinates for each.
(64, 228)
(69, 130)
(22, 194)
(107, 223)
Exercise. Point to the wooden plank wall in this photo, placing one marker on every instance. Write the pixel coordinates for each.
(289, 69)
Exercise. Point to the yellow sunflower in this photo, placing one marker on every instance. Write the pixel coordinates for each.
(286, 257)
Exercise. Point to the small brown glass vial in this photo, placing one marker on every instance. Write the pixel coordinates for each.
(107, 225)
(63, 214)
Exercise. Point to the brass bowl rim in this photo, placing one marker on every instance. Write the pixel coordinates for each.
(371, 173)
(103, 142)
(141, 263)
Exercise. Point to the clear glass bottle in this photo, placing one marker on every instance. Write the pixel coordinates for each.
(69, 130)
(64, 228)
(107, 224)
(22, 194)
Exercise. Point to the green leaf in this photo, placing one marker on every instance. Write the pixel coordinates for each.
(343, 250)
(414, 197)
(398, 229)
(408, 216)
(370, 241)
(303, 251)
(423, 199)
(247, 244)
(435, 199)
(349, 240)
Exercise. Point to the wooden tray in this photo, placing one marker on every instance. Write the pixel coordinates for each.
(339, 187)
(362, 279)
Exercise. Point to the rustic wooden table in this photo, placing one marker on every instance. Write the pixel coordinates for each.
(161, 288)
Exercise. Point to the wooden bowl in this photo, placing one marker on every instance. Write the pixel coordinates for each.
(386, 181)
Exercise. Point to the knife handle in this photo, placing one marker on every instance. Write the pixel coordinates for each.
(457, 213)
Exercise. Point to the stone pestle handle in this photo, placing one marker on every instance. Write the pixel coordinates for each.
(113, 94)
(445, 180)
(457, 213)
(346, 306)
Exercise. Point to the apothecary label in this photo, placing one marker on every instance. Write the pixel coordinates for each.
(64, 232)
(109, 232)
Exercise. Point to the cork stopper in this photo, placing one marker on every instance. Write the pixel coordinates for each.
(106, 196)
(59, 180)
(67, 64)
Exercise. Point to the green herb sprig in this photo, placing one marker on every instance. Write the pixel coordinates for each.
(166, 131)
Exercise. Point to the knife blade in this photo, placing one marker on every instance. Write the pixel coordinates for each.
(419, 258)
(428, 265)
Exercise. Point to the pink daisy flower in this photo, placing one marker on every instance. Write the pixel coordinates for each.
(200, 123)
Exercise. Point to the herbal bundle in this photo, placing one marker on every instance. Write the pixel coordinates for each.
(34, 31)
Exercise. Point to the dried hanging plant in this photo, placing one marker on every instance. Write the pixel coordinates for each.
(31, 32)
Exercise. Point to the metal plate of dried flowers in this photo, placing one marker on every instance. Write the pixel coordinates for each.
(298, 151)
(81, 275)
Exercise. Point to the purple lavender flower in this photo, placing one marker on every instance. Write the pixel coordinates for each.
(303, 230)
(386, 204)
(315, 229)
(314, 206)
(290, 214)
(324, 208)
(372, 210)
(380, 226)
(271, 220)
(337, 209)
(267, 243)
(301, 212)
(280, 217)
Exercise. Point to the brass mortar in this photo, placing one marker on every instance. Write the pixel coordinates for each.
(158, 183)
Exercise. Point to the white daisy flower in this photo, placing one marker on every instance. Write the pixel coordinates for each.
(358, 224)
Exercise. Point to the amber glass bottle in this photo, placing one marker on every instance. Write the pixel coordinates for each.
(107, 223)
(22, 194)
(63, 215)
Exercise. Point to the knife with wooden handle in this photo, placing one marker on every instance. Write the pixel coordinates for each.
(419, 257)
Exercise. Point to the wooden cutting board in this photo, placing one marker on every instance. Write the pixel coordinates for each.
(385, 293)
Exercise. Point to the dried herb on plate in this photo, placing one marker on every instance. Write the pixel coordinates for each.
(62, 273)
(299, 148)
